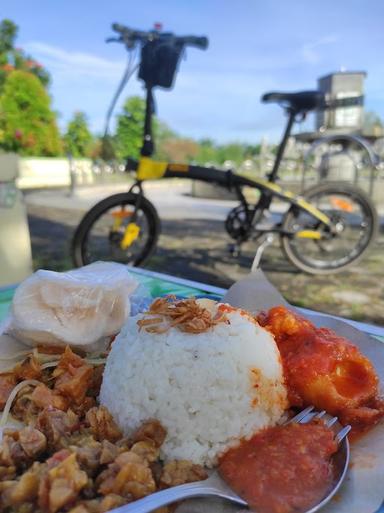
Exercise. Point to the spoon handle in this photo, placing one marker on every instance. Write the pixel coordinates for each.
(164, 497)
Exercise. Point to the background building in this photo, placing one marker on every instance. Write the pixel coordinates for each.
(337, 86)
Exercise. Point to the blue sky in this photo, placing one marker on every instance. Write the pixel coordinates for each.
(255, 46)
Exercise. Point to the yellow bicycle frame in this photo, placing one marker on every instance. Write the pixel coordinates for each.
(149, 169)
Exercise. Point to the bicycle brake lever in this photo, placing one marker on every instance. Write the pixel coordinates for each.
(113, 40)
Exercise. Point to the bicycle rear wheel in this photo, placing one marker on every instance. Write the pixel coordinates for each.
(122, 228)
(351, 212)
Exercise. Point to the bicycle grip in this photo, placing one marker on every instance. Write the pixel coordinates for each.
(198, 41)
(119, 28)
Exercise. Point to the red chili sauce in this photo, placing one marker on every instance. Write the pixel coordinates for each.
(283, 469)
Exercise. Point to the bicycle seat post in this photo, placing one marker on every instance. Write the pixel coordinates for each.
(280, 151)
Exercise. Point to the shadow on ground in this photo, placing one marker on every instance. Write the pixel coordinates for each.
(198, 250)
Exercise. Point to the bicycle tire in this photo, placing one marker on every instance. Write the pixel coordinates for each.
(298, 259)
(80, 237)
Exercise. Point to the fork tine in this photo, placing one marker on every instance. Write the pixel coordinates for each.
(297, 418)
(329, 423)
(343, 433)
(319, 415)
(307, 418)
(308, 414)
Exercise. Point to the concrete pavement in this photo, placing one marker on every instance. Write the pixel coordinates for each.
(173, 200)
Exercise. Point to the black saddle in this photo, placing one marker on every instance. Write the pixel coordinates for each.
(296, 102)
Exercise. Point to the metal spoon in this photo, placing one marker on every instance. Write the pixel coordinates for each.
(214, 486)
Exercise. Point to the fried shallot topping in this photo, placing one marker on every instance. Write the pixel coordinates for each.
(186, 314)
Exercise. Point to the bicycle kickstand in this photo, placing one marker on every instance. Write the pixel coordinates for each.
(260, 250)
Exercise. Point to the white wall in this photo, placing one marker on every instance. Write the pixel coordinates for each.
(36, 172)
(15, 244)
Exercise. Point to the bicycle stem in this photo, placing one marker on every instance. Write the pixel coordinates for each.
(148, 147)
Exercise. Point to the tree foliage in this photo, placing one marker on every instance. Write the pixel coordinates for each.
(129, 133)
(27, 123)
(12, 58)
(78, 138)
(207, 152)
(168, 144)
(129, 129)
(8, 34)
(178, 150)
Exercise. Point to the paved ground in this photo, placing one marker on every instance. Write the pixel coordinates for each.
(194, 243)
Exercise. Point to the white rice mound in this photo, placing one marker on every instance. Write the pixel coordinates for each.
(208, 390)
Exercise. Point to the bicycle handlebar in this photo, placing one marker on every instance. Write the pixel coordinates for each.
(131, 36)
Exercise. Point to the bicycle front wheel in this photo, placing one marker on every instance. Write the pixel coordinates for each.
(352, 214)
(122, 228)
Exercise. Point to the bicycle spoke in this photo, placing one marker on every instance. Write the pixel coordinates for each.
(105, 238)
(352, 228)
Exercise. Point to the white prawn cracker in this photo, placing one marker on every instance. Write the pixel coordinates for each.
(82, 307)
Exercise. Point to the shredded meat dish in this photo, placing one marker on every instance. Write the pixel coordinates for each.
(71, 456)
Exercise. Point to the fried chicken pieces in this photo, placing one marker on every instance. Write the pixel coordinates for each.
(60, 464)
(72, 456)
(324, 369)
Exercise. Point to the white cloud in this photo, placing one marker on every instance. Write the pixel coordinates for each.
(74, 63)
(80, 81)
(208, 100)
(309, 51)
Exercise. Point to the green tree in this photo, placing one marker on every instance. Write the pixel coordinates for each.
(8, 34)
(78, 138)
(180, 150)
(232, 151)
(12, 58)
(207, 152)
(129, 131)
(162, 134)
(252, 150)
(27, 123)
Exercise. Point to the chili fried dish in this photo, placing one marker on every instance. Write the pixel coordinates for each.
(325, 369)
(282, 469)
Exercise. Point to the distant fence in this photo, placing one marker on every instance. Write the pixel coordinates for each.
(298, 172)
